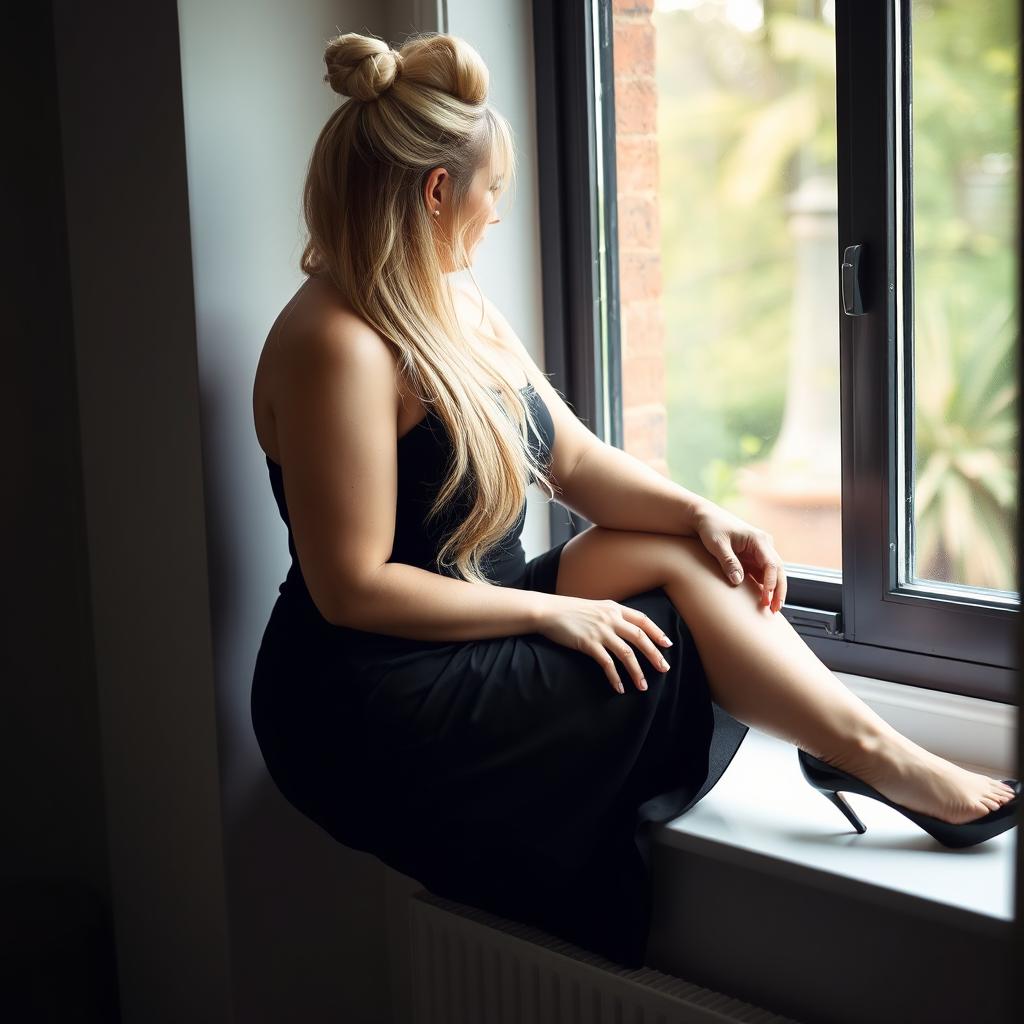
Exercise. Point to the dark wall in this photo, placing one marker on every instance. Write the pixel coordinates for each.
(118, 79)
(53, 858)
(135, 310)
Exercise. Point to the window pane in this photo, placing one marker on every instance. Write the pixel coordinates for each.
(964, 322)
(728, 240)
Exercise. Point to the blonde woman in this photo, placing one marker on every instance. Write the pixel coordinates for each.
(503, 730)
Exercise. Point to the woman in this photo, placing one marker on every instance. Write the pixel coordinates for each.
(504, 730)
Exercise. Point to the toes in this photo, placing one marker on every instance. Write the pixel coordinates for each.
(1000, 790)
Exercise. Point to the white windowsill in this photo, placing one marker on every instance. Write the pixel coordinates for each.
(765, 873)
(763, 806)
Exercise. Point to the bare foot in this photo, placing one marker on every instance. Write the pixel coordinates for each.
(921, 781)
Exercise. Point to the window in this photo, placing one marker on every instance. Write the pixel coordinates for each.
(788, 282)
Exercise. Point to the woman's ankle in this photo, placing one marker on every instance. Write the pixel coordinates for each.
(869, 741)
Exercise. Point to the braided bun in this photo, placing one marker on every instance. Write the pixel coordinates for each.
(359, 66)
(365, 67)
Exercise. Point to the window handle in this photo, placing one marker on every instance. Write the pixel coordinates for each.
(850, 276)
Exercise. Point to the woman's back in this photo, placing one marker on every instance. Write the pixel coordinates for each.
(422, 456)
(332, 411)
(315, 302)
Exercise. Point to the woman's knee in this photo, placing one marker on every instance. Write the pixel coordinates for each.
(601, 562)
(690, 558)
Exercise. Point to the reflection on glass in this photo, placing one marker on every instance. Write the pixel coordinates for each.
(746, 143)
(964, 416)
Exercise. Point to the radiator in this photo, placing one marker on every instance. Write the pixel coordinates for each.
(471, 967)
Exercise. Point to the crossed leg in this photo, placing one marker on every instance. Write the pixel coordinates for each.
(761, 671)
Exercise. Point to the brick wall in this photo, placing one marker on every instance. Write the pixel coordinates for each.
(643, 328)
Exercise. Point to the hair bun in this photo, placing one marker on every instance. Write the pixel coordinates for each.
(359, 66)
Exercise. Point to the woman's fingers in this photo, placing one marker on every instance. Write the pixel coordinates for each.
(632, 627)
(604, 659)
(779, 598)
(773, 581)
(621, 646)
(625, 653)
(644, 631)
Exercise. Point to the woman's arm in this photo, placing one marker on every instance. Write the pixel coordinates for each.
(616, 490)
(404, 600)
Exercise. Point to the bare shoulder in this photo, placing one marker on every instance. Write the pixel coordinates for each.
(334, 436)
(325, 326)
(316, 335)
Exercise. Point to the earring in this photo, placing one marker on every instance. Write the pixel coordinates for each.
(437, 213)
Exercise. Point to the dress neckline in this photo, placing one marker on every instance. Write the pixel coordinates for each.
(528, 386)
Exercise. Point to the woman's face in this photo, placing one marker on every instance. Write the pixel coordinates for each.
(480, 207)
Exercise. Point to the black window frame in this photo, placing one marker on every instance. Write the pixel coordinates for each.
(864, 624)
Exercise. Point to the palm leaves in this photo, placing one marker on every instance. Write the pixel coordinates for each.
(965, 434)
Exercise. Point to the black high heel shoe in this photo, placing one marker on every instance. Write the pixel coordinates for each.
(829, 779)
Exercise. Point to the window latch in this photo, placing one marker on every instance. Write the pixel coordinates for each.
(850, 277)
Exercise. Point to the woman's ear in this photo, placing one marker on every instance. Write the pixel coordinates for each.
(436, 186)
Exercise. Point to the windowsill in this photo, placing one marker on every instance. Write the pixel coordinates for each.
(762, 805)
(764, 891)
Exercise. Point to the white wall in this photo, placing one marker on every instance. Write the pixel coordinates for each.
(308, 930)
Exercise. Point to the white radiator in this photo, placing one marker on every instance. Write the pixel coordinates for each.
(471, 967)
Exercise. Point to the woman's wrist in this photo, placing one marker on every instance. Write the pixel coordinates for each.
(540, 609)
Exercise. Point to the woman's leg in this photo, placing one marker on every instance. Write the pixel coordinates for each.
(762, 672)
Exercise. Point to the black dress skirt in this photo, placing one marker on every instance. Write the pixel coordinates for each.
(504, 773)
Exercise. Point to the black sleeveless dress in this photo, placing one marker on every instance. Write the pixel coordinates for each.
(504, 773)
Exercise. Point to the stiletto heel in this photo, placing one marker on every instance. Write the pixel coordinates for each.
(846, 809)
(829, 779)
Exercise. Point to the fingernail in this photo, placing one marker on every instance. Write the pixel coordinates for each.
(666, 642)
(643, 685)
(621, 690)
(735, 577)
(664, 664)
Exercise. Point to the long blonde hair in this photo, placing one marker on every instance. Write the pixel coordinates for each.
(410, 111)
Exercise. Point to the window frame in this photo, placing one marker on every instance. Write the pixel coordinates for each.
(863, 623)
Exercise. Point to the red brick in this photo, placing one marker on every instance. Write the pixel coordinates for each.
(633, 48)
(632, 6)
(639, 276)
(644, 429)
(639, 227)
(643, 328)
(636, 164)
(645, 417)
(636, 106)
(643, 379)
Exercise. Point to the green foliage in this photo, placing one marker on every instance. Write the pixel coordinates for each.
(742, 120)
(965, 458)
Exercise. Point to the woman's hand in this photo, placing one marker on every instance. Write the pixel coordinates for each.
(740, 547)
(597, 627)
